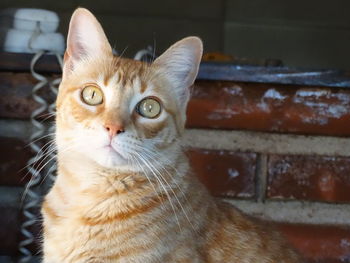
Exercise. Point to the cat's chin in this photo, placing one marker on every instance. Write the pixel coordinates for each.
(109, 158)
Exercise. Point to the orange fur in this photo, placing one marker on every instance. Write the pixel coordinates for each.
(136, 200)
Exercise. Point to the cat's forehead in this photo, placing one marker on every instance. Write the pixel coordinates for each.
(126, 71)
(125, 78)
(123, 73)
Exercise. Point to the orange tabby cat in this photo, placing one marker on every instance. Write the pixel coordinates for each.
(124, 190)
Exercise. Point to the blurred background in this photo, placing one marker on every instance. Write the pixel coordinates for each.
(314, 34)
(268, 121)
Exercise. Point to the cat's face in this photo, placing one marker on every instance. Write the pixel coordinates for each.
(119, 112)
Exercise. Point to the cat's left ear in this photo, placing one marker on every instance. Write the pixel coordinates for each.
(180, 64)
(86, 40)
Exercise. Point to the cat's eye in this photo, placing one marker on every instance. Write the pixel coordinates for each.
(149, 108)
(92, 95)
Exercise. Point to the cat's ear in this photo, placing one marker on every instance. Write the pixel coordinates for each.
(86, 39)
(180, 64)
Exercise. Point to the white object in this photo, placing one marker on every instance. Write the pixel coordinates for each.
(22, 41)
(143, 53)
(29, 19)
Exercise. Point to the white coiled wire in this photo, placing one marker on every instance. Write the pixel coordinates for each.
(32, 196)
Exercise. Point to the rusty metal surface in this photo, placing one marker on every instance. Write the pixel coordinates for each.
(226, 105)
(277, 75)
(270, 108)
(209, 71)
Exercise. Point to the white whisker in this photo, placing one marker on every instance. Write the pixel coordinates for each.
(149, 180)
(162, 185)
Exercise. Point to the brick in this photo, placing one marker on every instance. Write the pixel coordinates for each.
(13, 158)
(309, 178)
(269, 108)
(16, 99)
(225, 173)
(317, 243)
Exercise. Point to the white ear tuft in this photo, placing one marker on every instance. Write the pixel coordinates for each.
(180, 64)
(85, 40)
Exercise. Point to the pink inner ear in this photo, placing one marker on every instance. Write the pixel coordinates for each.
(86, 39)
(76, 39)
(67, 63)
(78, 50)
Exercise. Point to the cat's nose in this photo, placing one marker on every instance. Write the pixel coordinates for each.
(114, 129)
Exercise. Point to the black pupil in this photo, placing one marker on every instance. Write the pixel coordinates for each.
(93, 94)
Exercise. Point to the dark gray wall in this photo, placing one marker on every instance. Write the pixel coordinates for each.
(135, 24)
(301, 33)
(310, 33)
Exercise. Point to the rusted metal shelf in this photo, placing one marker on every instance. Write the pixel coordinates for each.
(276, 75)
(20, 62)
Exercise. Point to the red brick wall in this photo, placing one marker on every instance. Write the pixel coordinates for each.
(280, 152)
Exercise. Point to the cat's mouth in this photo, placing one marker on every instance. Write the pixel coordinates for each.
(112, 152)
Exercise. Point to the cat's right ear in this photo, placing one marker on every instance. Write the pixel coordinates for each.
(180, 64)
(86, 40)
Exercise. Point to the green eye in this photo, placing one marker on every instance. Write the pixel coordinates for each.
(92, 95)
(149, 108)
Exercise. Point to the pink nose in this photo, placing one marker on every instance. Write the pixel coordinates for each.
(114, 129)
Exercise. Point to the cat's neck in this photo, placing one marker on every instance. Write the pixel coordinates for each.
(79, 175)
(84, 188)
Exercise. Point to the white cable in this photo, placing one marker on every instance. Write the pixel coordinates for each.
(53, 85)
(143, 53)
(32, 196)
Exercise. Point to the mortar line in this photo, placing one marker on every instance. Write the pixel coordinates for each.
(261, 177)
(297, 212)
(267, 143)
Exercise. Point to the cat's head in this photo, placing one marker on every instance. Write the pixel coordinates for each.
(119, 112)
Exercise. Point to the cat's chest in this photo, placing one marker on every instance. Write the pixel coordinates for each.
(76, 239)
(110, 227)
(98, 221)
